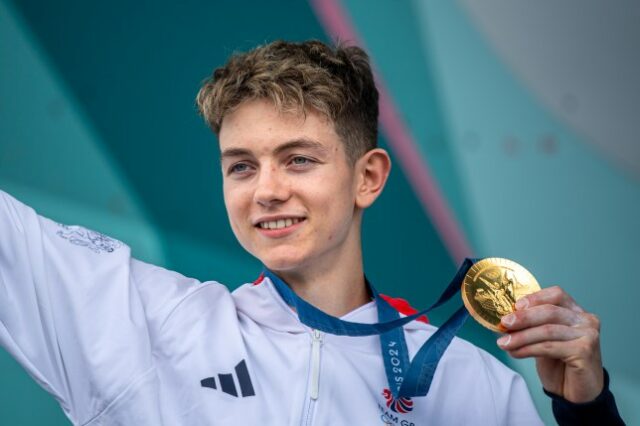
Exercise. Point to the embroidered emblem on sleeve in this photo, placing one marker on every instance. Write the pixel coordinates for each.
(94, 241)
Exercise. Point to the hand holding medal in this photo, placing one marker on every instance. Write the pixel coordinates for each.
(546, 324)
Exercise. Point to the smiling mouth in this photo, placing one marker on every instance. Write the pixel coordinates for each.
(280, 223)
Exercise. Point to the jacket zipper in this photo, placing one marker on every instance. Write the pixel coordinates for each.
(316, 341)
(314, 382)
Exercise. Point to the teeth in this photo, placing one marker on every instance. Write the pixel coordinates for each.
(279, 224)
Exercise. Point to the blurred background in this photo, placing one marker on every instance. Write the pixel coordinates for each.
(513, 127)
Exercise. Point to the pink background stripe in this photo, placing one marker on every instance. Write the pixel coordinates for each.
(337, 24)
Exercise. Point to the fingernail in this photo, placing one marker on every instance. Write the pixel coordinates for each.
(504, 340)
(508, 319)
(522, 303)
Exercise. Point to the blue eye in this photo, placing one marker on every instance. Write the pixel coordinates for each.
(239, 168)
(300, 161)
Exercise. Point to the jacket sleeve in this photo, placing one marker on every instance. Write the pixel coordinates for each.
(601, 411)
(69, 311)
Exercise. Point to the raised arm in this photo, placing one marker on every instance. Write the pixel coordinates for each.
(68, 312)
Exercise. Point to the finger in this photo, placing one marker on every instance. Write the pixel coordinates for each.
(539, 315)
(546, 332)
(548, 296)
(582, 349)
(548, 349)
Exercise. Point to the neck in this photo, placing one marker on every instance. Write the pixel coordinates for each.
(334, 294)
(336, 288)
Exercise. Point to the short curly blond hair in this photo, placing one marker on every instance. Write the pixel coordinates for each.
(298, 77)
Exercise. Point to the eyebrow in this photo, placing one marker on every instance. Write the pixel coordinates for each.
(296, 143)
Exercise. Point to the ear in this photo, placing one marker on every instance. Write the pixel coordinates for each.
(373, 170)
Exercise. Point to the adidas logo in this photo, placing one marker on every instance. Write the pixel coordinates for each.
(228, 384)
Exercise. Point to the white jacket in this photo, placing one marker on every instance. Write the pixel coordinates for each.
(121, 342)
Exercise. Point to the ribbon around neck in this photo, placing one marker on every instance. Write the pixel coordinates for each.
(406, 379)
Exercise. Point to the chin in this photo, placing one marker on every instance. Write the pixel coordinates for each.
(282, 263)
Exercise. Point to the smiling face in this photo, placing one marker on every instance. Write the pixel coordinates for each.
(289, 189)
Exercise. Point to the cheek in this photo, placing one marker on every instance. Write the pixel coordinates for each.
(238, 220)
(234, 207)
(339, 218)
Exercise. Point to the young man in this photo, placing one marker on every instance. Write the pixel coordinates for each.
(118, 341)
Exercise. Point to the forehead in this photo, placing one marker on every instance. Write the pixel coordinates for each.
(258, 124)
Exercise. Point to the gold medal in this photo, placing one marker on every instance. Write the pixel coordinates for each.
(492, 287)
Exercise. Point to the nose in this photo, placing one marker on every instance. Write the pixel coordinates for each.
(271, 187)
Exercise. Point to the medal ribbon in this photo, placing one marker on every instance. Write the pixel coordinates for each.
(406, 379)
